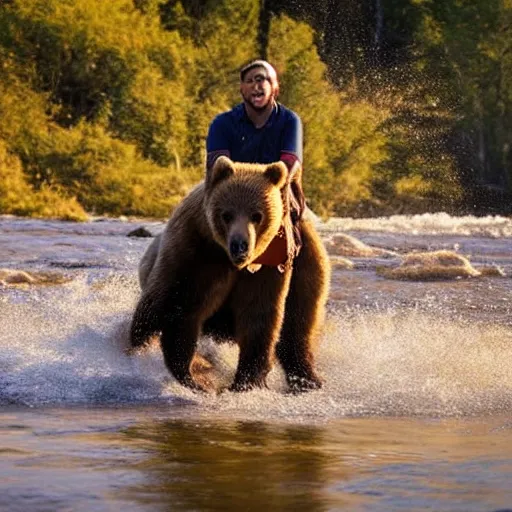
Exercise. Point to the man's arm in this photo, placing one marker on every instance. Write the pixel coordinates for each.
(291, 146)
(291, 155)
(217, 141)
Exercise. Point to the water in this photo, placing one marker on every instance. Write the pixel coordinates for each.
(414, 415)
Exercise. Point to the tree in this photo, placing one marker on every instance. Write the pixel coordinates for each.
(343, 143)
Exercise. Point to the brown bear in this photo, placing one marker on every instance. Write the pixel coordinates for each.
(200, 276)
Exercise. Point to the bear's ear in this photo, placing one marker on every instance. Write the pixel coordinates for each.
(222, 169)
(277, 174)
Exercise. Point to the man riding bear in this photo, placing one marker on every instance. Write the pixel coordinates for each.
(237, 259)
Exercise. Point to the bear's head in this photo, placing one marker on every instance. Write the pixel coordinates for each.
(244, 207)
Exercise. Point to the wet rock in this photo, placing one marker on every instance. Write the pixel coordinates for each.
(346, 245)
(436, 265)
(141, 232)
(339, 262)
(492, 271)
(13, 277)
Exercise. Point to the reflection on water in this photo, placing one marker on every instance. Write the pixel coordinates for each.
(145, 459)
(207, 465)
(349, 464)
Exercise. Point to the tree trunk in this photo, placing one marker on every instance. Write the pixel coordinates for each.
(263, 29)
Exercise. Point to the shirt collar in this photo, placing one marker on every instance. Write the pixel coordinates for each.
(242, 114)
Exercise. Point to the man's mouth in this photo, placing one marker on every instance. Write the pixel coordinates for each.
(258, 97)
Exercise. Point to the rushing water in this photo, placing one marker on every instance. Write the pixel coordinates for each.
(414, 415)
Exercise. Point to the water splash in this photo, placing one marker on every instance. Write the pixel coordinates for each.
(426, 224)
(67, 348)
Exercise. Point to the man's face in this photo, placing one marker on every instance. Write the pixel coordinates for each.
(256, 88)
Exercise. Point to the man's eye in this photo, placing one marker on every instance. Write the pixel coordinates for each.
(258, 79)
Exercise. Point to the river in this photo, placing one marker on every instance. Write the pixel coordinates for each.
(414, 414)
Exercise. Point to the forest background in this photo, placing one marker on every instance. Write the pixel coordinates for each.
(105, 106)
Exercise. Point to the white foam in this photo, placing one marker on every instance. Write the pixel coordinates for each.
(62, 348)
(492, 226)
(66, 347)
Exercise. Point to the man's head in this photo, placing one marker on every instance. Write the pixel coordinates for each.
(258, 84)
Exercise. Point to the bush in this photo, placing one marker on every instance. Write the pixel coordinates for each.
(17, 197)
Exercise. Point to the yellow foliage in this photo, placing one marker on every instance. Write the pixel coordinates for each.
(412, 185)
(19, 198)
(343, 144)
(105, 106)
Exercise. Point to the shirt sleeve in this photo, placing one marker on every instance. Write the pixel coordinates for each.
(217, 141)
(291, 155)
(291, 147)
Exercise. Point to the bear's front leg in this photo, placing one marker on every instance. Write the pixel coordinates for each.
(178, 341)
(191, 298)
(145, 323)
(258, 301)
(305, 310)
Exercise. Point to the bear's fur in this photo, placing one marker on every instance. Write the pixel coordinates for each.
(198, 277)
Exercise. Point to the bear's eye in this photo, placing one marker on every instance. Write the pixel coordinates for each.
(256, 217)
(227, 217)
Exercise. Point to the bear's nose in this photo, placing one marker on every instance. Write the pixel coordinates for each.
(238, 248)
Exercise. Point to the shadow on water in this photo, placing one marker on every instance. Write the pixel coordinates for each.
(354, 464)
(250, 465)
(174, 458)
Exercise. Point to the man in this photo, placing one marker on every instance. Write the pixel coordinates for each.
(261, 130)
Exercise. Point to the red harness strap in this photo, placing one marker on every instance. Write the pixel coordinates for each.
(277, 251)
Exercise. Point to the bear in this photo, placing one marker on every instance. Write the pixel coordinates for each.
(201, 276)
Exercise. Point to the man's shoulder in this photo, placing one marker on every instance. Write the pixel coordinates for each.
(288, 114)
(229, 116)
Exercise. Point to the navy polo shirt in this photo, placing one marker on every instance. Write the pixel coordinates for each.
(233, 134)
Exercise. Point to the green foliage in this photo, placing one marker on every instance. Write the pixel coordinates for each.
(92, 99)
(104, 174)
(104, 106)
(107, 175)
(19, 198)
(343, 142)
(468, 44)
(101, 101)
(223, 34)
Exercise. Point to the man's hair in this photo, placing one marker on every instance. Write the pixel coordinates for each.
(260, 63)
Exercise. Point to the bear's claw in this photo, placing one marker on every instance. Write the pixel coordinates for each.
(303, 384)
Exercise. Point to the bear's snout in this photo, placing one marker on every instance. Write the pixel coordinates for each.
(238, 249)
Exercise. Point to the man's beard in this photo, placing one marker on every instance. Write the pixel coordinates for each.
(259, 108)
